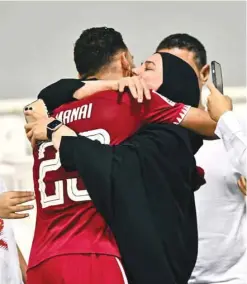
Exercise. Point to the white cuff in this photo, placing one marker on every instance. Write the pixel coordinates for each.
(227, 125)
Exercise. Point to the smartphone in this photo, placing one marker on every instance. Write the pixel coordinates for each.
(217, 76)
(38, 107)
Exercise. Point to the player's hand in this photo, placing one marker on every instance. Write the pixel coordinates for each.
(35, 110)
(137, 87)
(242, 185)
(37, 131)
(29, 112)
(10, 204)
(217, 103)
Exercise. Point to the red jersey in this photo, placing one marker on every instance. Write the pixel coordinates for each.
(67, 221)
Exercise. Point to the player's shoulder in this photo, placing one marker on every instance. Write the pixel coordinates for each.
(109, 95)
(115, 96)
(157, 96)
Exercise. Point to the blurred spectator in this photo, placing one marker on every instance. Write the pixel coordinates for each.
(12, 264)
(10, 204)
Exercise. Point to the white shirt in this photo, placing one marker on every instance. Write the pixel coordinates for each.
(9, 261)
(221, 213)
(234, 139)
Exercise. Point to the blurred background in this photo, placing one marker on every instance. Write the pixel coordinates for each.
(37, 40)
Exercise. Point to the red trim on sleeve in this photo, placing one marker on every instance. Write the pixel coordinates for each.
(162, 110)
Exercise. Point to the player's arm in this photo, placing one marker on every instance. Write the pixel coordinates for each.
(67, 90)
(136, 86)
(162, 110)
(199, 121)
(23, 265)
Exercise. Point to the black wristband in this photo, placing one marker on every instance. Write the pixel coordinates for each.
(60, 93)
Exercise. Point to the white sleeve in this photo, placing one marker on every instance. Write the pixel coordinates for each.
(3, 271)
(234, 139)
(2, 186)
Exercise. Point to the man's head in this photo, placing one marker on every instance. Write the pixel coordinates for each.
(102, 53)
(190, 50)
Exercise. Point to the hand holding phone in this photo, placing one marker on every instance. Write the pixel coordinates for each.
(38, 107)
(217, 76)
(217, 104)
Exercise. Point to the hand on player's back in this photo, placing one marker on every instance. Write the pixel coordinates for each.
(10, 204)
(137, 87)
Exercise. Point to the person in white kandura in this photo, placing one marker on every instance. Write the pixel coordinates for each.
(231, 132)
(12, 264)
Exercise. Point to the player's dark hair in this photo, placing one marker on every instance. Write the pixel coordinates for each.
(188, 42)
(95, 48)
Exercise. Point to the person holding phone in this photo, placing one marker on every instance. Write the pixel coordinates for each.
(228, 129)
(221, 206)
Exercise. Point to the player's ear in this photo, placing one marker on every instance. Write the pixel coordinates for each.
(204, 73)
(125, 64)
(79, 76)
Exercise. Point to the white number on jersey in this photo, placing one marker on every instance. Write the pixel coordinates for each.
(54, 164)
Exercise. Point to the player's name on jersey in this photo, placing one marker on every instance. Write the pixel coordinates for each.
(70, 115)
